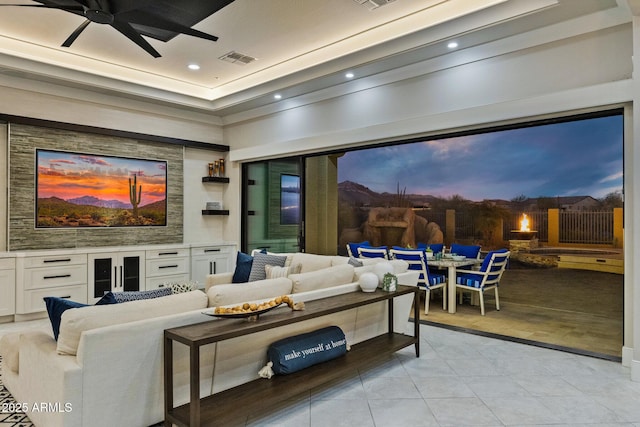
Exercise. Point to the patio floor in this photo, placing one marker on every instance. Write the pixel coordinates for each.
(578, 309)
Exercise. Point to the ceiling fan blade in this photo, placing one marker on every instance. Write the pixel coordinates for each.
(155, 21)
(75, 34)
(49, 6)
(135, 37)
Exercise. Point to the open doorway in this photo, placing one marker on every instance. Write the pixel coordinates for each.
(472, 187)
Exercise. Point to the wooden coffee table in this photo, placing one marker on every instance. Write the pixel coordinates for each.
(231, 407)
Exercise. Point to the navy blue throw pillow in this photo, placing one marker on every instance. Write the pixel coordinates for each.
(56, 306)
(243, 268)
(292, 354)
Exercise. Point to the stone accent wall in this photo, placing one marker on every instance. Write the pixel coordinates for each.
(23, 142)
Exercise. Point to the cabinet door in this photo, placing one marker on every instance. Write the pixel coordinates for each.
(7, 292)
(130, 277)
(203, 265)
(102, 273)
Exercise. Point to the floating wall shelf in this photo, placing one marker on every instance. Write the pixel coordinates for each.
(220, 179)
(215, 212)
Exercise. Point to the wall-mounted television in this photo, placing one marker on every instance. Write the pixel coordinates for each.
(88, 190)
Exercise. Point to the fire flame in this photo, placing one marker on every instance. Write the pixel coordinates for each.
(524, 223)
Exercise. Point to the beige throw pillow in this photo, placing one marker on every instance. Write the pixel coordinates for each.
(274, 271)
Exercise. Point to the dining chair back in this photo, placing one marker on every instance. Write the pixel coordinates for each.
(373, 252)
(352, 248)
(488, 277)
(468, 251)
(435, 247)
(417, 260)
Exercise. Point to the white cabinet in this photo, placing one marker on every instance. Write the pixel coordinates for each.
(115, 272)
(7, 286)
(167, 265)
(211, 259)
(56, 274)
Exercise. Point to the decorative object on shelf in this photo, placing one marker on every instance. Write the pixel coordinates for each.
(214, 206)
(221, 170)
(210, 169)
(368, 282)
(389, 282)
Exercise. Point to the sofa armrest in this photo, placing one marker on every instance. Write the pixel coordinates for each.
(46, 376)
(218, 279)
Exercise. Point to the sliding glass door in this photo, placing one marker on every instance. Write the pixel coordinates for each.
(272, 205)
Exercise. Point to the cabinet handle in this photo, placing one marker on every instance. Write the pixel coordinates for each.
(214, 267)
(169, 266)
(167, 253)
(65, 296)
(121, 278)
(212, 250)
(47, 261)
(59, 276)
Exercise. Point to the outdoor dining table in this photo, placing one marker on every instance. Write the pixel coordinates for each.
(451, 266)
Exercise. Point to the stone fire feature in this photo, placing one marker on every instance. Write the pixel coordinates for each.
(523, 245)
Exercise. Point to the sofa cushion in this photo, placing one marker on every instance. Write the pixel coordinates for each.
(76, 321)
(234, 293)
(243, 268)
(311, 262)
(320, 279)
(260, 260)
(140, 295)
(56, 306)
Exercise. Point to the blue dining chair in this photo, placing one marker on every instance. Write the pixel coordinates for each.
(417, 260)
(468, 251)
(373, 252)
(435, 247)
(488, 277)
(352, 248)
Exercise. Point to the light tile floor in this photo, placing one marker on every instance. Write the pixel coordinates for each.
(463, 379)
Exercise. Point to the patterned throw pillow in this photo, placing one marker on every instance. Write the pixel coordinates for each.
(138, 295)
(180, 287)
(260, 260)
(273, 271)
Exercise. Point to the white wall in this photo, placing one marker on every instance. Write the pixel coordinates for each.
(200, 228)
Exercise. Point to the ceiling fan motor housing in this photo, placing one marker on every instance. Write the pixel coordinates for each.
(98, 16)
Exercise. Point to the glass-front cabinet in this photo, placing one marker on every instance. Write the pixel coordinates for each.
(115, 272)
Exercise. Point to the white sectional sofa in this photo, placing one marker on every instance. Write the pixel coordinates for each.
(106, 368)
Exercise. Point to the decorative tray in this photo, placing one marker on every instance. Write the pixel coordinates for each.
(238, 315)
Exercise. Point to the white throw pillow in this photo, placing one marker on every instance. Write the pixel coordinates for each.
(274, 271)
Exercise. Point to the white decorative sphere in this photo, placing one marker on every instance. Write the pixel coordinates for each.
(368, 282)
(382, 268)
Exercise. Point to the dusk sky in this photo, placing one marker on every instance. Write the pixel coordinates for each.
(71, 175)
(578, 158)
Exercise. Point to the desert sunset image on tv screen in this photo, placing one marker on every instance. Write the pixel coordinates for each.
(88, 190)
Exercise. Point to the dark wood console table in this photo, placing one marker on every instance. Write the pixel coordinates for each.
(231, 407)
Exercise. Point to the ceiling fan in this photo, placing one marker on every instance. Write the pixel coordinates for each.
(132, 18)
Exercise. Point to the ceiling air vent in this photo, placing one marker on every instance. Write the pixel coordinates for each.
(237, 58)
(373, 4)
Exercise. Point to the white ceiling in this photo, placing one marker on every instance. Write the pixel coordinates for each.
(300, 45)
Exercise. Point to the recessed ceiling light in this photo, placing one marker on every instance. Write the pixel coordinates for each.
(349, 75)
(277, 96)
(452, 45)
(193, 67)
